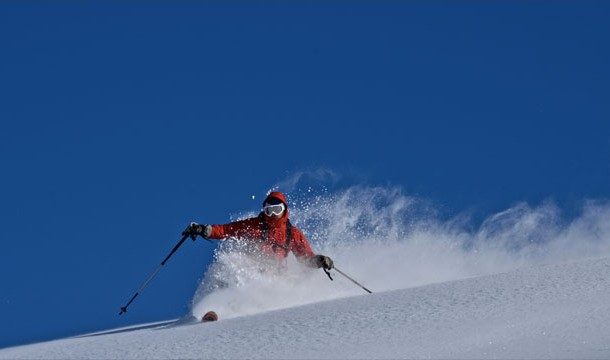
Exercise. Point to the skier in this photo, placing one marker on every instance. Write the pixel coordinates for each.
(271, 232)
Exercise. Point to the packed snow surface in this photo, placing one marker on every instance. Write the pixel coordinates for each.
(541, 311)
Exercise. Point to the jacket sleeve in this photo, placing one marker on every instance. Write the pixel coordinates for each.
(237, 229)
(300, 246)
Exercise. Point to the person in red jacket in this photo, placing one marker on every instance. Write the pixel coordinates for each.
(271, 231)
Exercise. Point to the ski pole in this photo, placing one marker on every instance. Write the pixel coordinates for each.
(154, 273)
(349, 278)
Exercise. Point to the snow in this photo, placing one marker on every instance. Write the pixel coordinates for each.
(526, 283)
(389, 241)
(540, 311)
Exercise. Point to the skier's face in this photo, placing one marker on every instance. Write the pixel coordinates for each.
(274, 209)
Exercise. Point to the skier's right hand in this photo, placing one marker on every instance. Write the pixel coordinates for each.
(195, 229)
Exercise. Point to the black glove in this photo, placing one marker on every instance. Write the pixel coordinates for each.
(322, 261)
(195, 229)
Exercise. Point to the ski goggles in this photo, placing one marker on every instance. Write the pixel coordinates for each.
(274, 209)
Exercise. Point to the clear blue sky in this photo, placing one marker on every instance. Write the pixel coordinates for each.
(121, 122)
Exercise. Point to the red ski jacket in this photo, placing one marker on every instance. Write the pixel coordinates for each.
(276, 237)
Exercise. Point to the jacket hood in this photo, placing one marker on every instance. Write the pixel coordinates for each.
(276, 195)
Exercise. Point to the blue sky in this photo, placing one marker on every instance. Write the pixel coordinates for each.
(120, 122)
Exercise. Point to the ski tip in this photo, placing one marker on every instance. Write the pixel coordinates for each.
(209, 316)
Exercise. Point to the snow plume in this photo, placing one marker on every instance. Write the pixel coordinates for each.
(387, 240)
(319, 175)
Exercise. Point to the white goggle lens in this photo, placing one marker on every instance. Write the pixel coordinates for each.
(274, 209)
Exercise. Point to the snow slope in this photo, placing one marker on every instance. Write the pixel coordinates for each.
(543, 311)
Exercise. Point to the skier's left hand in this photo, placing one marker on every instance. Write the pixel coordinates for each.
(322, 261)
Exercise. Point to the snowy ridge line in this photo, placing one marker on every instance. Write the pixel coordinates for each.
(544, 311)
